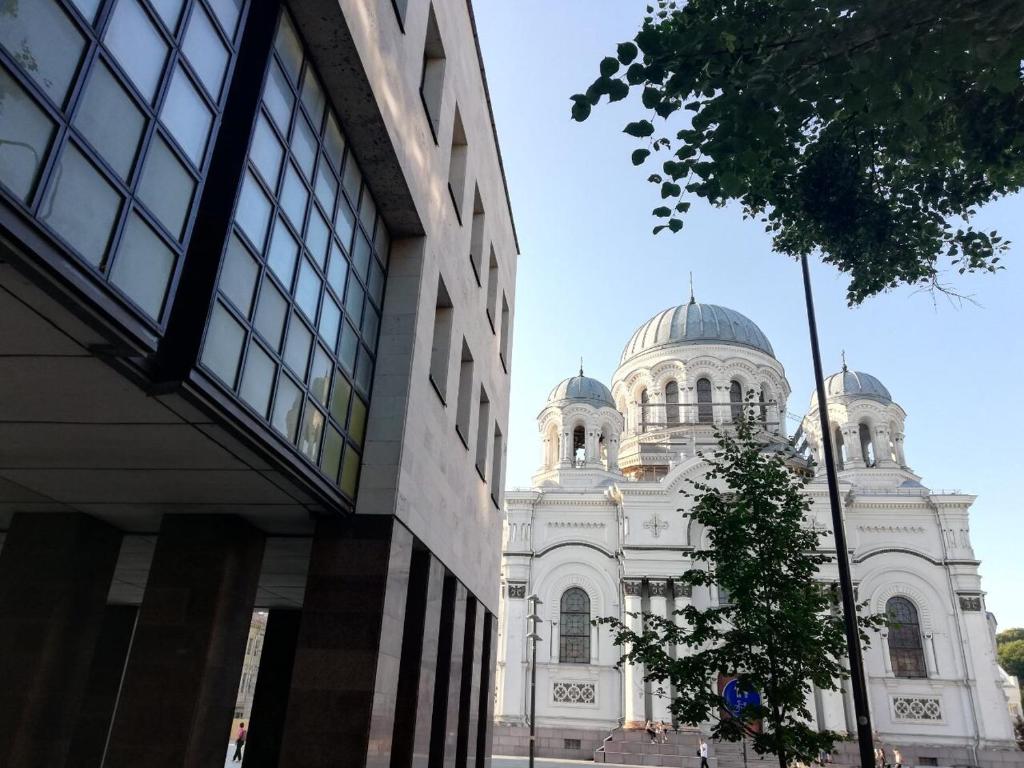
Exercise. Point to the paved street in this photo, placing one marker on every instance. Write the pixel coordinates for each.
(498, 761)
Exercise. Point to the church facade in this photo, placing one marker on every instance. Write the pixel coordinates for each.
(604, 531)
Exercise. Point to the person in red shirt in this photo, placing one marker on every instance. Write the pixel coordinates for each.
(239, 743)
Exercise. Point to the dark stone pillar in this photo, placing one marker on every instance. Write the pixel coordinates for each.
(181, 682)
(341, 707)
(55, 572)
(448, 679)
(469, 706)
(485, 725)
(105, 673)
(273, 681)
(410, 744)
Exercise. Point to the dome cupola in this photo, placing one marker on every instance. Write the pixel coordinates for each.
(581, 389)
(853, 384)
(696, 323)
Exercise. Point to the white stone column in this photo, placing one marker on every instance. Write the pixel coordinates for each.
(883, 451)
(901, 457)
(682, 596)
(565, 448)
(633, 674)
(833, 713)
(660, 692)
(511, 704)
(855, 458)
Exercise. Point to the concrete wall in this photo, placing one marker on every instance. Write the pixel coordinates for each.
(415, 465)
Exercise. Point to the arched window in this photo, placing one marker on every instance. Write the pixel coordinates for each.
(579, 445)
(867, 449)
(840, 449)
(574, 627)
(644, 400)
(735, 400)
(672, 402)
(905, 648)
(705, 413)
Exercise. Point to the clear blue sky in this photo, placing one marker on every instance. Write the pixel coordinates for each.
(590, 272)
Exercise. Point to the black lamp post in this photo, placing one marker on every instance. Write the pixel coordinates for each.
(860, 694)
(533, 637)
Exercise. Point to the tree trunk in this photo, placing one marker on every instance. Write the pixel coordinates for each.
(777, 725)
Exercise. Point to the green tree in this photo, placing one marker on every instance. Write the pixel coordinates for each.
(1009, 635)
(780, 632)
(866, 131)
(1011, 657)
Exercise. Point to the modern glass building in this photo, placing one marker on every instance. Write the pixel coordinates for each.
(257, 272)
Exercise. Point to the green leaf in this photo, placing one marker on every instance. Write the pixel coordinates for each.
(651, 97)
(639, 155)
(640, 129)
(675, 225)
(609, 66)
(580, 107)
(617, 90)
(636, 74)
(670, 189)
(627, 52)
(682, 207)
(662, 212)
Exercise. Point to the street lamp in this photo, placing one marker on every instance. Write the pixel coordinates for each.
(860, 694)
(533, 637)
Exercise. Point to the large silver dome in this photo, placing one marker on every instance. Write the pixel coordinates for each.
(696, 323)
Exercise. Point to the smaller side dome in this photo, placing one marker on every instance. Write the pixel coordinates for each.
(582, 388)
(853, 384)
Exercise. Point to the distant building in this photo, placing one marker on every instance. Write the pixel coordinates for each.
(250, 666)
(257, 284)
(604, 531)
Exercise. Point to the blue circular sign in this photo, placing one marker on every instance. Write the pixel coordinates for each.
(737, 699)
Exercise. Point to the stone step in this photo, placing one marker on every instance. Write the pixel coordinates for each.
(636, 758)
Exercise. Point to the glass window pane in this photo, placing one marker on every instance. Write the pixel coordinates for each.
(226, 12)
(364, 370)
(357, 421)
(25, 136)
(334, 143)
(289, 48)
(352, 180)
(137, 45)
(294, 197)
(270, 313)
(367, 211)
(266, 152)
(296, 349)
(330, 319)
(253, 214)
(109, 119)
(348, 347)
(257, 379)
(307, 290)
(143, 266)
(287, 405)
(326, 188)
(382, 242)
(377, 283)
(304, 147)
(238, 276)
(166, 187)
(223, 346)
(278, 98)
(284, 250)
(320, 375)
(169, 11)
(187, 117)
(313, 98)
(337, 269)
(371, 323)
(330, 456)
(80, 205)
(345, 224)
(318, 237)
(205, 51)
(349, 472)
(354, 301)
(87, 8)
(340, 397)
(312, 429)
(361, 254)
(44, 41)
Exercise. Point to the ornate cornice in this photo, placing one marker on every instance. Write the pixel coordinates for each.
(632, 587)
(574, 524)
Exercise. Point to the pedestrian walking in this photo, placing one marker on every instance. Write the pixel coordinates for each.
(239, 743)
(703, 754)
(649, 727)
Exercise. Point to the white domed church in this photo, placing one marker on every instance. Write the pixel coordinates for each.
(604, 531)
